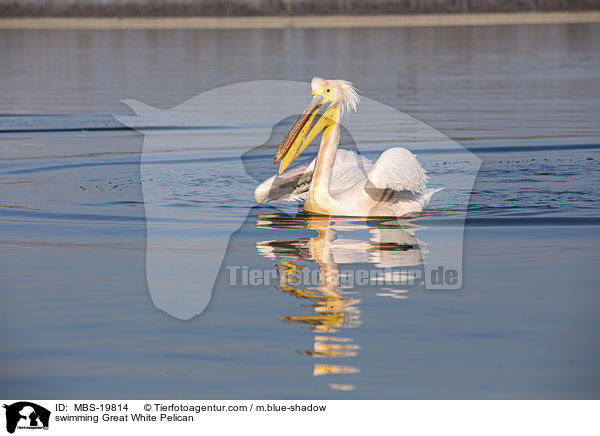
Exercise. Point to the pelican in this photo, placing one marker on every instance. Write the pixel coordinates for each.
(340, 182)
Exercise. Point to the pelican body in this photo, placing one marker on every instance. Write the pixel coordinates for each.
(340, 182)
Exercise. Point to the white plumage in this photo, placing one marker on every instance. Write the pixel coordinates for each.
(397, 170)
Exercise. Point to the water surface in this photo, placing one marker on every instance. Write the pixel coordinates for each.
(76, 314)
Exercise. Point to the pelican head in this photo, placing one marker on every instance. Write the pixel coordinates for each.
(331, 100)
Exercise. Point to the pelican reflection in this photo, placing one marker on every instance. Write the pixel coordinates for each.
(309, 269)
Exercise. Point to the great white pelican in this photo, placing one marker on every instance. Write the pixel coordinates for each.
(341, 182)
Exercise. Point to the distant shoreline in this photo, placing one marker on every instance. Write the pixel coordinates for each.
(282, 22)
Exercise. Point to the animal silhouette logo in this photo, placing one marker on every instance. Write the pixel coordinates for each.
(185, 246)
(27, 415)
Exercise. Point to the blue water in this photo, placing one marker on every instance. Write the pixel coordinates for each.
(76, 314)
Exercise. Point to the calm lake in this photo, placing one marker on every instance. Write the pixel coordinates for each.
(76, 315)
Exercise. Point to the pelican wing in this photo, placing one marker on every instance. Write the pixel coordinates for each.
(292, 185)
(398, 169)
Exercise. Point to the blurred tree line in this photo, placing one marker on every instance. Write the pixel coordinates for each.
(186, 8)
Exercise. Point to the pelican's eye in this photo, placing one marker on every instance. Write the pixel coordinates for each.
(328, 90)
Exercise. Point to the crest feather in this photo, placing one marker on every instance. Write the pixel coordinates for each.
(349, 98)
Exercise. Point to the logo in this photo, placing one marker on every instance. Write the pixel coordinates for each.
(191, 157)
(26, 415)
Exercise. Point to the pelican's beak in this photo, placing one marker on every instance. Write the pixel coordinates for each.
(317, 116)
